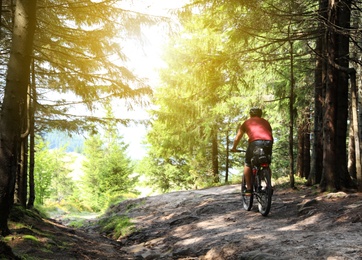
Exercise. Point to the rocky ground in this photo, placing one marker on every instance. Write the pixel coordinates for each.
(210, 224)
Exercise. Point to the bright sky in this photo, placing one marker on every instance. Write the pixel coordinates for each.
(146, 62)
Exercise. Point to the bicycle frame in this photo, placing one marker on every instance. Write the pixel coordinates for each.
(262, 189)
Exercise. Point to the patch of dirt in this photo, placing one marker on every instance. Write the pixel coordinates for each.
(211, 224)
(47, 239)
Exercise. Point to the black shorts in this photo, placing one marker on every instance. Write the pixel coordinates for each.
(266, 145)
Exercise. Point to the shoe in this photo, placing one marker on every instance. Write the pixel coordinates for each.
(247, 192)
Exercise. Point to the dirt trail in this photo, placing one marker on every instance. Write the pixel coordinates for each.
(210, 224)
(50, 240)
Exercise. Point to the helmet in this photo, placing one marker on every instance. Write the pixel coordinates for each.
(255, 111)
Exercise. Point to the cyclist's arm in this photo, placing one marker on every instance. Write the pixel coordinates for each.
(237, 139)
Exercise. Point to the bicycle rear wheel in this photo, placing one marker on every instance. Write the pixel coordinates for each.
(246, 200)
(265, 191)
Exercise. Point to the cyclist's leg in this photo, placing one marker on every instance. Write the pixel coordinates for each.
(265, 196)
(247, 176)
(247, 168)
(269, 150)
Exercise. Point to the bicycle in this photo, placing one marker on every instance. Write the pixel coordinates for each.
(262, 188)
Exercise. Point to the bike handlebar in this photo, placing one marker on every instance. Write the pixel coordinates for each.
(238, 150)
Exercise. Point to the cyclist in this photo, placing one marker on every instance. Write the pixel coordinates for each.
(260, 134)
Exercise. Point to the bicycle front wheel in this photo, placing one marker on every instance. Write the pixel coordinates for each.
(246, 200)
(265, 191)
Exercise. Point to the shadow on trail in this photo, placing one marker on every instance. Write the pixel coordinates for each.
(211, 224)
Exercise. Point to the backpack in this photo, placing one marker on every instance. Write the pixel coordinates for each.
(259, 156)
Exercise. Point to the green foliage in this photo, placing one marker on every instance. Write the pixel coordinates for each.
(116, 226)
(230, 56)
(107, 169)
(284, 182)
(106, 177)
(50, 174)
(197, 105)
(78, 51)
(165, 175)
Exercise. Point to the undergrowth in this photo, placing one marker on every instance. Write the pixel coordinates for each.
(116, 226)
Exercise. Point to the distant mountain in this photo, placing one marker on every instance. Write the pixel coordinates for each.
(58, 139)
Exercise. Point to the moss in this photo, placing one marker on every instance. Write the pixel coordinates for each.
(18, 213)
(76, 223)
(116, 226)
(31, 238)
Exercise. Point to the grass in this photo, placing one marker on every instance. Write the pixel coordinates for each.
(31, 238)
(284, 182)
(78, 220)
(116, 226)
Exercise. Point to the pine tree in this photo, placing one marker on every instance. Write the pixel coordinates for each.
(108, 170)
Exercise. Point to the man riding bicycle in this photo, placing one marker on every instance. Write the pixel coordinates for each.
(260, 134)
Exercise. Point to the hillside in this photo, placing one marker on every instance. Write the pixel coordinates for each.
(210, 224)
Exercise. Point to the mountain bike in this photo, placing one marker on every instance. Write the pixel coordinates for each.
(262, 188)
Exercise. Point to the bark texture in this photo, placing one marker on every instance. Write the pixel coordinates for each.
(17, 81)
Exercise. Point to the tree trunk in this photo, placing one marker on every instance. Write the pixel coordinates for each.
(227, 157)
(306, 143)
(306, 154)
(352, 150)
(342, 59)
(355, 132)
(33, 102)
(15, 95)
(22, 180)
(22, 175)
(319, 92)
(215, 157)
(303, 157)
(291, 115)
(354, 157)
(300, 154)
(31, 169)
(330, 177)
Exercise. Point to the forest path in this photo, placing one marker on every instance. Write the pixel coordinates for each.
(211, 224)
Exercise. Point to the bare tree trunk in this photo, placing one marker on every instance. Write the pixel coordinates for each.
(291, 115)
(22, 178)
(33, 102)
(319, 91)
(300, 154)
(351, 144)
(227, 157)
(355, 114)
(303, 157)
(306, 143)
(215, 157)
(336, 175)
(355, 131)
(17, 81)
(342, 44)
(330, 174)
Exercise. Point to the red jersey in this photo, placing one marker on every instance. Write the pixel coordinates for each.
(257, 128)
